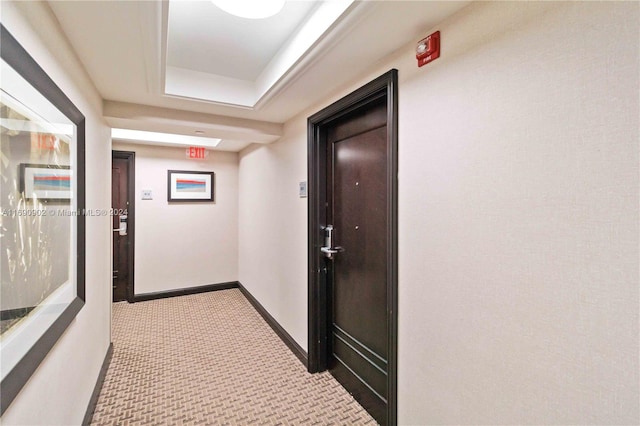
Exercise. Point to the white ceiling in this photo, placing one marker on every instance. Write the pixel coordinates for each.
(132, 50)
(202, 37)
(287, 37)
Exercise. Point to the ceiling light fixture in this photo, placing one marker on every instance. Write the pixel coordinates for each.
(163, 138)
(250, 9)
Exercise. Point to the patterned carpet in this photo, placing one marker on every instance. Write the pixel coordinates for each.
(211, 359)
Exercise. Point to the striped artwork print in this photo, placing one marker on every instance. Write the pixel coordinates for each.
(191, 185)
(51, 182)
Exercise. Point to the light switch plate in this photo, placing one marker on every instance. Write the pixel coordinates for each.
(303, 189)
(147, 194)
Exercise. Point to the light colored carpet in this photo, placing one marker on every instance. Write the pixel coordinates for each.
(211, 359)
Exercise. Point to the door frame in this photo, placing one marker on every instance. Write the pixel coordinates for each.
(130, 157)
(318, 315)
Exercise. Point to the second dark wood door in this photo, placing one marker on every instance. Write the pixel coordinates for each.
(121, 247)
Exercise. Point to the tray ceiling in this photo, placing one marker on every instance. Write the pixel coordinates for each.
(186, 66)
(202, 37)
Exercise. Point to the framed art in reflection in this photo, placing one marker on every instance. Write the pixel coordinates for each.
(45, 182)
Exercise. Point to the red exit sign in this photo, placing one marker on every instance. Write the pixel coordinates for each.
(196, 152)
(43, 141)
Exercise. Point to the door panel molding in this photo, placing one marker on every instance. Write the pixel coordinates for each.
(361, 349)
(384, 87)
(130, 157)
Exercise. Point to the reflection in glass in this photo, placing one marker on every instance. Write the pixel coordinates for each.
(37, 224)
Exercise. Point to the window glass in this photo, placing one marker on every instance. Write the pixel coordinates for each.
(38, 224)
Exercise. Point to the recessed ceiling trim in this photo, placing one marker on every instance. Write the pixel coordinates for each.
(195, 85)
(336, 32)
(150, 36)
(184, 83)
(164, 25)
(311, 31)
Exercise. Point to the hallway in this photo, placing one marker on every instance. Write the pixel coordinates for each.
(211, 359)
(513, 219)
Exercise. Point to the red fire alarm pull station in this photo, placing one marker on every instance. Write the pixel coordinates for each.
(428, 49)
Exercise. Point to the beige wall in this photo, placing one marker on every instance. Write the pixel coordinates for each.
(181, 245)
(59, 391)
(273, 226)
(518, 218)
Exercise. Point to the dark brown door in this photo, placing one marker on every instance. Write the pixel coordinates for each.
(122, 220)
(357, 210)
(353, 255)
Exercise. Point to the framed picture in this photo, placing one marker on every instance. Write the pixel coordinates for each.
(41, 297)
(188, 186)
(45, 182)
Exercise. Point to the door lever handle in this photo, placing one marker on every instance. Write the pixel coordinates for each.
(329, 251)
